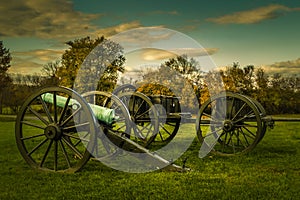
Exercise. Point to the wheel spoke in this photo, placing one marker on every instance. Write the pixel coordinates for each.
(46, 109)
(223, 142)
(230, 138)
(76, 126)
(139, 107)
(214, 133)
(209, 116)
(38, 115)
(252, 135)
(46, 153)
(244, 136)
(33, 125)
(70, 117)
(239, 141)
(145, 128)
(239, 111)
(64, 109)
(142, 114)
(77, 137)
(167, 131)
(245, 117)
(65, 153)
(76, 151)
(34, 136)
(37, 146)
(232, 142)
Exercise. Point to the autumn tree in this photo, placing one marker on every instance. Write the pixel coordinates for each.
(5, 80)
(100, 69)
(73, 58)
(90, 56)
(179, 77)
(238, 79)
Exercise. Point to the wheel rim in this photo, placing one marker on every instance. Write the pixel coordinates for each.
(57, 136)
(233, 121)
(124, 88)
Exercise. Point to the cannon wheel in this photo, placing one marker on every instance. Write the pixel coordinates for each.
(144, 115)
(168, 125)
(263, 113)
(108, 146)
(55, 136)
(231, 124)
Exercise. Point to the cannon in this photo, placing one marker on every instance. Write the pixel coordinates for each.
(59, 130)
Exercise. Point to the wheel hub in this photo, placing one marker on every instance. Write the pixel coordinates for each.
(53, 132)
(228, 125)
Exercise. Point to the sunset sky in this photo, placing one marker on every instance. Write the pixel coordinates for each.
(263, 33)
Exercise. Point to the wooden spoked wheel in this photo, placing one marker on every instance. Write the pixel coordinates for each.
(169, 118)
(230, 124)
(55, 130)
(262, 113)
(144, 116)
(106, 144)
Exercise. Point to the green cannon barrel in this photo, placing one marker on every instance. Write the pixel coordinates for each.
(103, 114)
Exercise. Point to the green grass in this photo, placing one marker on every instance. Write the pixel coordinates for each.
(271, 171)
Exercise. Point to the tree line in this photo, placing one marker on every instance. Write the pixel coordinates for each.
(278, 94)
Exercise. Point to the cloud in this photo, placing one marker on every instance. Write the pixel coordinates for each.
(109, 31)
(142, 37)
(44, 19)
(158, 54)
(253, 16)
(195, 52)
(24, 66)
(51, 19)
(44, 55)
(285, 68)
(32, 61)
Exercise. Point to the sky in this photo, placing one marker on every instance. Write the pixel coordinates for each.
(261, 33)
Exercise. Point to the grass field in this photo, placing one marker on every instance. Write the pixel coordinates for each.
(271, 171)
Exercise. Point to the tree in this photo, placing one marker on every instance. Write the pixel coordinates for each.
(178, 76)
(5, 80)
(237, 79)
(74, 57)
(88, 56)
(51, 71)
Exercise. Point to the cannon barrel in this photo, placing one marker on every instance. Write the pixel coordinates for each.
(103, 114)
